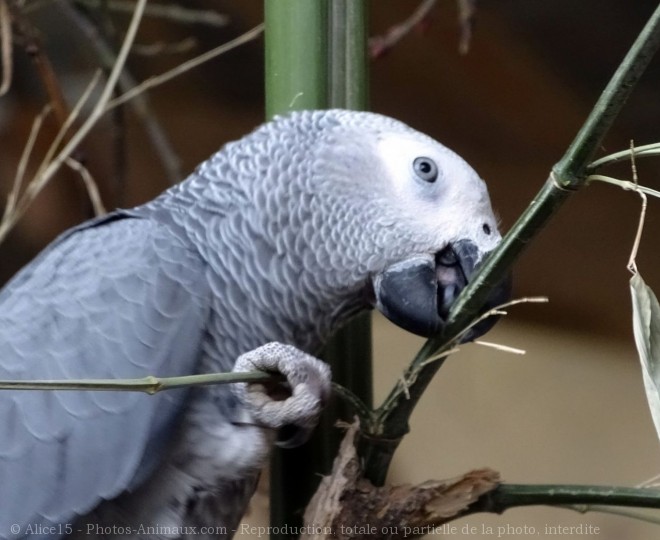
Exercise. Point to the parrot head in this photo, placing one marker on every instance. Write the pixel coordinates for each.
(450, 206)
(420, 213)
(327, 213)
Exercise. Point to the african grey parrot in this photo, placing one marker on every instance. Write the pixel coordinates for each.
(259, 255)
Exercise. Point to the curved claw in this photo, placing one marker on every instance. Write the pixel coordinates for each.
(292, 436)
(307, 389)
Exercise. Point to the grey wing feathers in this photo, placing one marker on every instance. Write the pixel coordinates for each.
(119, 297)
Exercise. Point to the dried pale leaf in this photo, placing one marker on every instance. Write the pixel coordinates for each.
(646, 327)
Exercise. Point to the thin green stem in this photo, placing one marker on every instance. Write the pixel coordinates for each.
(508, 496)
(149, 385)
(624, 184)
(571, 169)
(631, 514)
(358, 406)
(646, 150)
(348, 80)
(567, 176)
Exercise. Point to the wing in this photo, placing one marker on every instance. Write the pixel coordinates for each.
(118, 297)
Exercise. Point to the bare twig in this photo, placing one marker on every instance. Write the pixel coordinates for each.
(37, 124)
(172, 12)
(140, 105)
(32, 42)
(13, 196)
(162, 47)
(626, 185)
(186, 66)
(363, 412)
(379, 45)
(6, 63)
(500, 347)
(53, 161)
(633, 185)
(90, 185)
(380, 437)
(498, 311)
(632, 263)
(633, 163)
(17, 204)
(631, 514)
(653, 482)
(56, 157)
(645, 150)
(440, 355)
(62, 133)
(102, 104)
(467, 10)
(413, 370)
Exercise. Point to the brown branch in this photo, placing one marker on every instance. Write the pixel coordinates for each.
(347, 506)
(30, 38)
(379, 45)
(28, 35)
(467, 9)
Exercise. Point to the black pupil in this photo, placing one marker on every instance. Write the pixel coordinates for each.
(486, 228)
(425, 169)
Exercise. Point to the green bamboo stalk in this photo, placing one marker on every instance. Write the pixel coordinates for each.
(296, 78)
(568, 175)
(296, 55)
(316, 59)
(349, 353)
(349, 82)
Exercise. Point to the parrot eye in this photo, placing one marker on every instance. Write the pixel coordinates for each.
(426, 169)
(486, 228)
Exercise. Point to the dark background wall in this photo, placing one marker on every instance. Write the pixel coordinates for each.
(510, 107)
(573, 409)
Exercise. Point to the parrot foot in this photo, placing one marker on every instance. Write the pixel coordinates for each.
(292, 406)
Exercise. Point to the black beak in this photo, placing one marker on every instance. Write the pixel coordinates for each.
(417, 294)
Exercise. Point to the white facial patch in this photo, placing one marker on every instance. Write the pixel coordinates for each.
(453, 206)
